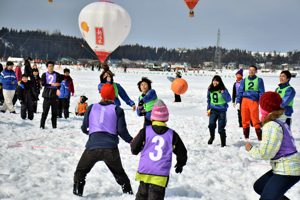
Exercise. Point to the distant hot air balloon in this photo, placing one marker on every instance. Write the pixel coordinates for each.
(49, 1)
(104, 25)
(191, 4)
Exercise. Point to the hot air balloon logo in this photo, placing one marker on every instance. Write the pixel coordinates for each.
(115, 26)
(99, 36)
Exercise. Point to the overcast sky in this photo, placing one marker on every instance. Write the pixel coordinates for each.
(253, 25)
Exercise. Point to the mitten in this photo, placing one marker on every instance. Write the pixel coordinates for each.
(178, 168)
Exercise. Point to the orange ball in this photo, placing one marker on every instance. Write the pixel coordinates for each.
(179, 86)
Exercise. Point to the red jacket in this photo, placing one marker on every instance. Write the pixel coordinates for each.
(69, 80)
(18, 73)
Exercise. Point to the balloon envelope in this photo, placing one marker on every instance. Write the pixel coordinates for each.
(179, 86)
(191, 3)
(104, 25)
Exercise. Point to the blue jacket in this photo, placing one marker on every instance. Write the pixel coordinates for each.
(288, 97)
(151, 95)
(252, 95)
(122, 94)
(104, 139)
(7, 77)
(64, 90)
(226, 96)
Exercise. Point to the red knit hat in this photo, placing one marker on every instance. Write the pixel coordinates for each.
(270, 101)
(108, 91)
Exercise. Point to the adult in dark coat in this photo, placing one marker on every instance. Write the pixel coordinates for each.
(28, 69)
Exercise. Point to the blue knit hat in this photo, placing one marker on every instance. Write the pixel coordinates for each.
(240, 72)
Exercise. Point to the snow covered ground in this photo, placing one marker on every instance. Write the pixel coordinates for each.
(39, 164)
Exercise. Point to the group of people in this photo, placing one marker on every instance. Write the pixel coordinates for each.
(104, 121)
(276, 140)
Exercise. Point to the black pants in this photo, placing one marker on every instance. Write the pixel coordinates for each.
(240, 118)
(177, 98)
(111, 158)
(46, 106)
(273, 186)
(63, 105)
(27, 106)
(147, 122)
(150, 192)
(289, 122)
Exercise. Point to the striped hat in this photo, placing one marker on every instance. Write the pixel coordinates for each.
(160, 111)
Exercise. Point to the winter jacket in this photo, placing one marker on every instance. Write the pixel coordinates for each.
(18, 73)
(252, 95)
(81, 107)
(226, 96)
(104, 139)
(288, 97)
(50, 93)
(150, 96)
(36, 81)
(272, 134)
(122, 93)
(179, 149)
(7, 77)
(27, 69)
(69, 80)
(22, 90)
(64, 90)
(234, 92)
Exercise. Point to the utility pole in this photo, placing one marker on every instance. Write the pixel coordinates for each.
(217, 60)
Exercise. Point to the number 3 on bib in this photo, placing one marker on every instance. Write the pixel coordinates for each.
(157, 147)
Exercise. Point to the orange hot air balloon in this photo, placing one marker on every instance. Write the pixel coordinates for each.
(49, 1)
(179, 86)
(191, 4)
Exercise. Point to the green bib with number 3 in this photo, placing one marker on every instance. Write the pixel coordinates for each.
(251, 85)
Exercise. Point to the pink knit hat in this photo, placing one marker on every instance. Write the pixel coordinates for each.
(160, 111)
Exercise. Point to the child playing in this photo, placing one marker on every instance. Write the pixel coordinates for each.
(217, 99)
(27, 97)
(146, 100)
(178, 75)
(63, 100)
(239, 77)
(36, 80)
(81, 106)
(103, 122)
(157, 142)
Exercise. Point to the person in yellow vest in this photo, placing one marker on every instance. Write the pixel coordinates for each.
(287, 94)
(250, 90)
(146, 100)
(81, 106)
(217, 99)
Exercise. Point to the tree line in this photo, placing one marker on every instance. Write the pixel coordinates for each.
(44, 45)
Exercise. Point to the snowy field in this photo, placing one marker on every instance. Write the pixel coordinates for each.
(39, 164)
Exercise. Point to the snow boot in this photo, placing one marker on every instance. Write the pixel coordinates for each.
(43, 120)
(223, 140)
(212, 136)
(78, 188)
(258, 133)
(246, 132)
(127, 188)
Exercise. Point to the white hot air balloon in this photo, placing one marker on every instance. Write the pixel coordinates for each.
(104, 25)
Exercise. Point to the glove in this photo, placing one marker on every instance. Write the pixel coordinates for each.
(238, 106)
(178, 168)
(141, 103)
(142, 113)
(72, 93)
(208, 112)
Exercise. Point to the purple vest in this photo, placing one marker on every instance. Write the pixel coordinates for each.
(50, 79)
(156, 157)
(103, 118)
(237, 85)
(288, 146)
